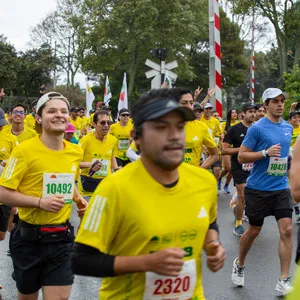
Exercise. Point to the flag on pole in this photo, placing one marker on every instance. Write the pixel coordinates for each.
(107, 91)
(167, 82)
(123, 100)
(90, 97)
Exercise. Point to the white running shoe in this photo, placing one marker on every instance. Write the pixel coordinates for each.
(284, 286)
(237, 276)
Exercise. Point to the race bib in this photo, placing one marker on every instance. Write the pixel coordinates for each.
(277, 166)
(123, 144)
(61, 184)
(165, 288)
(247, 167)
(104, 168)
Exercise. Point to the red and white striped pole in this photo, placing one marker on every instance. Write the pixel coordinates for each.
(215, 71)
(252, 69)
(252, 77)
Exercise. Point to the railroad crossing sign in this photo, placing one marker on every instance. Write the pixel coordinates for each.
(160, 71)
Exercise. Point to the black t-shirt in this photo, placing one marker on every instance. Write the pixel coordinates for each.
(235, 137)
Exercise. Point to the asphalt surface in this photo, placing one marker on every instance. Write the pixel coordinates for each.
(261, 273)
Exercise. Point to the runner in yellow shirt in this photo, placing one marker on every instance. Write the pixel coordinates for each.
(85, 126)
(122, 130)
(197, 134)
(99, 148)
(142, 246)
(30, 118)
(17, 128)
(7, 143)
(39, 178)
(76, 120)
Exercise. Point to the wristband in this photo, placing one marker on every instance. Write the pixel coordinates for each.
(263, 152)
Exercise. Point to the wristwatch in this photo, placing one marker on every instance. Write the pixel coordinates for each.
(265, 153)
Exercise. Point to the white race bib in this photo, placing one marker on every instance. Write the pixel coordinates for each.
(61, 184)
(277, 166)
(104, 168)
(247, 167)
(165, 288)
(123, 144)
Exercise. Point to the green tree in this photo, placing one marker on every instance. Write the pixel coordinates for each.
(120, 34)
(9, 66)
(279, 14)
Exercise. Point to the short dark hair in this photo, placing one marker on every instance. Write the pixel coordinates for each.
(16, 105)
(179, 92)
(99, 113)
(267, 101)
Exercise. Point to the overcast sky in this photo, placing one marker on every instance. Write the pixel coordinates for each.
(19, 16)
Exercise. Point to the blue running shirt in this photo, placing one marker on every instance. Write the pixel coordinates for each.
(261, 136)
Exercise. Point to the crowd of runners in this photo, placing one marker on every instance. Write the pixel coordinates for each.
(146, 188)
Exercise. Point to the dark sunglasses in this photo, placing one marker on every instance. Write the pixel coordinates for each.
(125, 115)
(105, 123)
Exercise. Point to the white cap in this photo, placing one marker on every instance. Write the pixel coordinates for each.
(208, 105)
(50, 96)
(271, 93)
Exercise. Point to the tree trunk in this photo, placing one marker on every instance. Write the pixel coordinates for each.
(297, 55)
(132, 74)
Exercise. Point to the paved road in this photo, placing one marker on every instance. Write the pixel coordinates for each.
(261, 274)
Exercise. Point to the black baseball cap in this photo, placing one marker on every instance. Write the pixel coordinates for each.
(124, 110)
(74, 109)
(293, 113)
(248, 106)
(16, 105)
(160, 108)
(197, 106)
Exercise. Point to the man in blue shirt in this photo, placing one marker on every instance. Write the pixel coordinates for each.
(267, 191)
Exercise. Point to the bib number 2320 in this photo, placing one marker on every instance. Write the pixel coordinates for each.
(164, 287)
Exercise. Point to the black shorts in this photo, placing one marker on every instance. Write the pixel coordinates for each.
(40, 264)
(261, 204)
(121, 162)
(239, 176)
(4, 217)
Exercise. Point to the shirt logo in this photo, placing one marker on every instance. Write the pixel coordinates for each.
(3, 149)
(195, 138)
(202, 213)
(287, 133)
(73, 168)
(242, 135)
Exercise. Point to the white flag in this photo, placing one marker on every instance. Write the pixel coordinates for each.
(90, 97)
(107, 91)
(123, 100)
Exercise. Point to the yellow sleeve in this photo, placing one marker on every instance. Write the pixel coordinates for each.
(208, 140)
(134, 147)
(218, 129)
(16, 168)
(101, 221)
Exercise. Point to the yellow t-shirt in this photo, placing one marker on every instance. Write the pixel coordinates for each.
(112, 226)
(296, 133)
(85, 122)
(197, 135)
(122, 133)
(294, 295)
(77, 124)
(26, 134)
(134, 147)
(93, 149)
(7, 143)
(32, 170)
(214, 126)
(223, 125)
(30, 121)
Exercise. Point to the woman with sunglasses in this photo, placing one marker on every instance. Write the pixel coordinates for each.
(99, 148)
(121, 131)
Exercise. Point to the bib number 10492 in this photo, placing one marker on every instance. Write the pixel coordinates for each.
(165, 288)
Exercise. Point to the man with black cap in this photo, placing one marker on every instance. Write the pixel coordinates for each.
(137, 238)
(240, 172)
(76, 120)
(122, 130)
(198, 111)
(267, 191)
